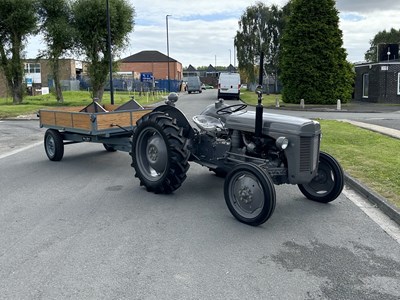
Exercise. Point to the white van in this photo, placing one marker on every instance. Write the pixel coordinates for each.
(229, 85)
(193, 84)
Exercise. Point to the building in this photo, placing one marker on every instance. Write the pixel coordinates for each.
(208, 76)
(378, 82)
(38, 75)
(153, 62)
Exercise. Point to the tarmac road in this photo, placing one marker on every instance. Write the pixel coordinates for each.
(83, 228)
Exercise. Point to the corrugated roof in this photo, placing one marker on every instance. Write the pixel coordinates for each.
(148, 56)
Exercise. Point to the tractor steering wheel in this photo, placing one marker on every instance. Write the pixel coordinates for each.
(227, 110)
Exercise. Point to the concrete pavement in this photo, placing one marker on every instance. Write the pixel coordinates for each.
(376, 128)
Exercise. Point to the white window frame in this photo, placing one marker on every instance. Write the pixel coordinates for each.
(31, 68)
(398, 83)
(365, 88)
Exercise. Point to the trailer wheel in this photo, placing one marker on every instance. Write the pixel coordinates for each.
(250, 194)
(109, 148)
(54, 144)
(328, 184)
(159, 153)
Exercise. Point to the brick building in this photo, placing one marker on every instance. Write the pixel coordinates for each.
(152, 62)
(378, 82)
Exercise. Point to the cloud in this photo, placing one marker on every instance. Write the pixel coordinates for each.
(202, 32)
(366, 6)
(357, 32)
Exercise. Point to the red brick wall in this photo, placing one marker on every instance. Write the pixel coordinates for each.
(159, 69)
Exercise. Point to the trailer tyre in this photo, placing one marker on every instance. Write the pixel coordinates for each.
(53, 145)
(250, 194)
(159, 153)
(328, 184)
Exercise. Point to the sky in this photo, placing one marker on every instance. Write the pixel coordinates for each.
(202, 32)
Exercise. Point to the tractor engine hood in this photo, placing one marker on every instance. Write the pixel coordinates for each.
(273, 124)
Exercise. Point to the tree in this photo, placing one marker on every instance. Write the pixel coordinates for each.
(260, 31)
(313, 61)
(382, 37)
(90, 22)
(18, 20)
(56, 26)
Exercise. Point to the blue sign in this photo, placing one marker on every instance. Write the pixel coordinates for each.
(29, 81)
(146, 76)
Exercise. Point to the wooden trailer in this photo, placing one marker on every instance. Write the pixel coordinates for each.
(110, 125)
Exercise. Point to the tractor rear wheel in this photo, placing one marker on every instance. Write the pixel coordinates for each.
(159, 153)
(250, 194)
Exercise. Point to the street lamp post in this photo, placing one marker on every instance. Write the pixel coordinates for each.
(230, 57)
(109, 53)
(169, 84)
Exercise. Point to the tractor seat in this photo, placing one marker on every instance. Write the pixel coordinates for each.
(208, 123)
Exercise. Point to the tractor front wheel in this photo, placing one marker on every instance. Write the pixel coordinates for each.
(159, 153)
(250, 194)
(327, 185)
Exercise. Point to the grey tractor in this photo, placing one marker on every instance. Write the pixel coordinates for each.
(252, 150)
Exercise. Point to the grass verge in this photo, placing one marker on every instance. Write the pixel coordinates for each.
(251, 98)
(32, 104)
(370, 157)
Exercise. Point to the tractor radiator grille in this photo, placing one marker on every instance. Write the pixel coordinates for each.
(308, 153)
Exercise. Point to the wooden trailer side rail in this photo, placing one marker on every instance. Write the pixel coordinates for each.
(71, 119)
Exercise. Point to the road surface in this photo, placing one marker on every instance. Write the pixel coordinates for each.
(83, 228)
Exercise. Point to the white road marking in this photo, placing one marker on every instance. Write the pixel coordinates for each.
(387, 224)
(20, 150)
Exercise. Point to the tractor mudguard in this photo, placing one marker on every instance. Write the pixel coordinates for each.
(180, 117)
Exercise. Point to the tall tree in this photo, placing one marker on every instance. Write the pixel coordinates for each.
(313, 61)
(90, 22)
(382, 37)
(259, 33)
(56, 26)
(18, 20)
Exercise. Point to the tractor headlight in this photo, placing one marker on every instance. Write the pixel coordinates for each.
(282, 143)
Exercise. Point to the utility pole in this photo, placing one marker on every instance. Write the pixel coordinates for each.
(109, 53)
(169, 82)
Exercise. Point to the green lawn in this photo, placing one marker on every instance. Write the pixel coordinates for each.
(31, 104)
(251, 98)
(368, 156)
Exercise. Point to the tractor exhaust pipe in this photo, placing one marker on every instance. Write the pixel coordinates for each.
(259, 107)
(259, 116)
